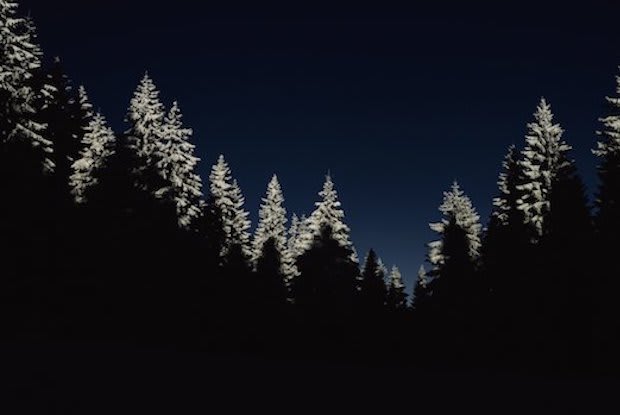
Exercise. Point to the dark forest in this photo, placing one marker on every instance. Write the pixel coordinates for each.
(113, 238)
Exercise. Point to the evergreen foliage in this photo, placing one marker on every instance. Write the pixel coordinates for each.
(396, 296)
(542, 159)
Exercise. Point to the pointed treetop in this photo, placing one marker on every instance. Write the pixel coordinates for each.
(396, 278)
(543, 112)
(220, 179)
(458, 208)
(176, 164)
(272, 221)
(328, 213)
(544, 156)
(98, 142)
(145, 115)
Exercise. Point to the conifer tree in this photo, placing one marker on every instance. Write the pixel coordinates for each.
(453, 287)
(26, 163)
(290, 257)
(608, 152)
(607, 221)
(453, 292)
(240, 224)
(456, 206)
(177, 166)
(229, 200)
(565, 279)
(20, 58)
(421, 290)
(396, 295)
(542, 159)
(146, 118)
(326, 284)
(271, 287)
(272, 222)
(505, 210)
(99, 143)
(299, 236)
(505, 251)
(328, 212)
(372, 284)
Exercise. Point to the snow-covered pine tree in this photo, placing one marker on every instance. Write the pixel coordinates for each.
(384, 270)
(506, 203)
(99, 143)
(328, 212)
(507, 237)
(456, 205)
(607, 220)
(145, 117)
(289, 260)
(543, 157)
(396, 295)
(240, 224)
(177, 166)
(220, 182)
(608, 152)
(271, 223)
(303, 233)
(20, 57)
(227, 197)
(421, 289)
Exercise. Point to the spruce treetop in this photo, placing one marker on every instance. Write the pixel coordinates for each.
(457, 207)
(177, 165)
(543, 157)
(98, 142)
(146, 115)
(272, 220)
(328, 212)
(396, 278)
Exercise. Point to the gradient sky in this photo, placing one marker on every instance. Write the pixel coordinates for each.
(396, 102)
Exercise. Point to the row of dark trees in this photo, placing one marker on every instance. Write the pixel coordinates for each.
(110, 237)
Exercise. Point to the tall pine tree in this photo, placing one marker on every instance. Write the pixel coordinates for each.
(99, 142)
(20, 58)
(272, 222)
(458, 207)
(607, 220)
(328, 213)
(177, 166)
(229, 200)
(542, 159)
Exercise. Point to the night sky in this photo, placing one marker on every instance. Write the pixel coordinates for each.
(396, 102)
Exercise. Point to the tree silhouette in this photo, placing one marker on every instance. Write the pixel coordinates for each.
(372, 291)
(327, 280)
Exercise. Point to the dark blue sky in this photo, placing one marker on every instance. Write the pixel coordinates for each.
(397, 102)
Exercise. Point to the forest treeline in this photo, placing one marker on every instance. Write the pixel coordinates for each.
(110, 236)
